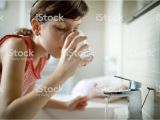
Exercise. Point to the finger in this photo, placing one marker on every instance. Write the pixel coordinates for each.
(87, 59)
(75, 42)
(82, 104)
(69, 38)
(81, 108)
(85, 98)
(85, 62)
(77, 100)
(81, 48)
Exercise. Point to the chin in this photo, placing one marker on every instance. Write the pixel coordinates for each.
(56, 55)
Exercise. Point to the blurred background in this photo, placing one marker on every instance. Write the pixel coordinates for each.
(123, 34)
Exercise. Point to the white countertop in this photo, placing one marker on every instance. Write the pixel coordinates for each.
(94, 110)
(98, 102)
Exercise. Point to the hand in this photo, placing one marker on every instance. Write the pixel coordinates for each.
(78, 103)
(70, 58)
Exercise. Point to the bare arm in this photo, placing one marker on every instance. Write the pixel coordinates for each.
(17, 106)
(78, 103)
(56, 104)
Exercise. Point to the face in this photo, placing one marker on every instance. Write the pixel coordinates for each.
(54, 33)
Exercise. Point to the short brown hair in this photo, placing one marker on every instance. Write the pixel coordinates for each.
(70, 9)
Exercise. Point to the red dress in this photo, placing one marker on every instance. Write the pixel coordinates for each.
(31, 74)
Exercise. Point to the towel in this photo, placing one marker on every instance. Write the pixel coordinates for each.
(95, 87)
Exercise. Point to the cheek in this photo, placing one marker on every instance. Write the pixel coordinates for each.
(52, 47)
(50, 38)
(49, 43)
(52, 43)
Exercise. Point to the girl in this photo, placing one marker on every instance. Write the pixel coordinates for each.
(24, 55)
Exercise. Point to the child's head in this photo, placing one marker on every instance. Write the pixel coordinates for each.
(53, 20)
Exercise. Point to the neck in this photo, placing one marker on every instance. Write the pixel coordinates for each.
(39, 51)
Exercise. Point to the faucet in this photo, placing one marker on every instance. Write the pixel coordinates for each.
(133, 95)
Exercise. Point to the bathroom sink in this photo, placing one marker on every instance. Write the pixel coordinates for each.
(94, 110)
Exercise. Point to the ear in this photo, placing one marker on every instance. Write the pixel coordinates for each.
(35, 27)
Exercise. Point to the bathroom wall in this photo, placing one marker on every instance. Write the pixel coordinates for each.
(10, 19)
(15, 15)
(94, 29)
(113, 37)
(141, 56)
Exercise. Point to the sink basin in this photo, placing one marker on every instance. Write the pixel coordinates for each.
(94, 110)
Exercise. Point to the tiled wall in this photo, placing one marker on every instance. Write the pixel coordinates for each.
(141, 56)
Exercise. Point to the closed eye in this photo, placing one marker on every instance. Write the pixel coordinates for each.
(61, 29)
